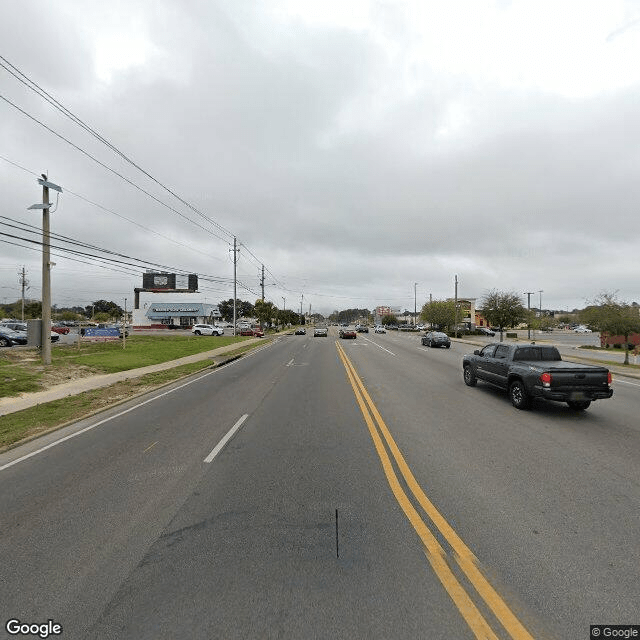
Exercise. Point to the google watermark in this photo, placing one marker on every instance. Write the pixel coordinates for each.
(614, 631)
(15, 627)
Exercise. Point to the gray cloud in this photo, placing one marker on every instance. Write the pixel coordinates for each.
(311, 144)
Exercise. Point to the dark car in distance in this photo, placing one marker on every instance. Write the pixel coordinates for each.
(436, 339)
(348, 333)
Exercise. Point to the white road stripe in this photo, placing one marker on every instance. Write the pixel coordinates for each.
(618, 381)
(121, 413)
(379, 347)
(289, 363)
(218, 448)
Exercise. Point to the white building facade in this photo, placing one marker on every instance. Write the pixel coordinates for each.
(158, 310)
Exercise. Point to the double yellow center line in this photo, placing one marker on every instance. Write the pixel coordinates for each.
(436, 555)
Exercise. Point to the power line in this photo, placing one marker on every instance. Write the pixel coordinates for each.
(24, 79)
(33, 86)
(108, 168)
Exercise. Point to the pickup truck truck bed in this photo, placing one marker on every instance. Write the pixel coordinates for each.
(536, 371)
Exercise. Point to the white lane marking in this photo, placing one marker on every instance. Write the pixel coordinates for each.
(289, 363)
(226, 439)
(618, 381)
(379, 347)
(121, 413)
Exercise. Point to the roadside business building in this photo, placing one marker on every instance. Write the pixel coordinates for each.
(164, 310)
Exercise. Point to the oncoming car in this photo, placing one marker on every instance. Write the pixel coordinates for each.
(320, 331)
(207, 330)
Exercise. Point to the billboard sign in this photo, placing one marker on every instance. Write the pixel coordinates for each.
(170, 281)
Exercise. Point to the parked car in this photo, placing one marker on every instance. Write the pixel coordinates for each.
(60, 328)
(9, 337)
(380, 329)
(436, 339)
(582, 329)
(207, 330)
(21, 327)
(258, 332)
(348, 333)
(485, 331)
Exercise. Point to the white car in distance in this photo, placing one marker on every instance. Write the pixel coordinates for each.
(582, 330)
(207, 330)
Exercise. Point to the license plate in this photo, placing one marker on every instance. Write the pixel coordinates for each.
(577, 395)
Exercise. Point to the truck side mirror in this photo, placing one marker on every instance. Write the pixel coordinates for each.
(476, 352)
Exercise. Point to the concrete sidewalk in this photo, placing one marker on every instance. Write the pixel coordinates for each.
(26, 400)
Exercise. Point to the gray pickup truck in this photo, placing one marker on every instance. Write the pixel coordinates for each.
(536, 371)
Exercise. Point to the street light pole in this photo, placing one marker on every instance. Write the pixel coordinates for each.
(46, 266)
(415, 299)
(46, 277)
(529, 294)
(456, 307)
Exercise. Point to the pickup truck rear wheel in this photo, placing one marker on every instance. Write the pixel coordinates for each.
(520, 399)
(469, 377)
(578, 405)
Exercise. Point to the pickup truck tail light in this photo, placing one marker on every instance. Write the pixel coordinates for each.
(545, 378)
(609, 379)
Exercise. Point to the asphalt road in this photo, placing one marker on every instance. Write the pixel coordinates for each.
(368, 493)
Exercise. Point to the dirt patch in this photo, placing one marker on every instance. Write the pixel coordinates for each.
(26, 362)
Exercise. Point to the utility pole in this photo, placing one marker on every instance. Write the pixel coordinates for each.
(235, 264)
(415, 284)
(284, 306)
(540, 291)
(455, 317)
(46, 277)
(529, 294)
(301, 299)
(262, 283)
(23, 282)
(46, 266)
(124, 326)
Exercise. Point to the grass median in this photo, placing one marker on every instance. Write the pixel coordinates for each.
(39, 419)
(21, 370)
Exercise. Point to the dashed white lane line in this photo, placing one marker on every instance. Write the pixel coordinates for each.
(121, 413)
(218, 448)
(379, 347)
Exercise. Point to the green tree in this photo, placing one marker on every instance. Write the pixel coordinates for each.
(609, 315)
(503, 309)
(103, 306)
(32, 309)
(264, 312)
(441, 313)
(388, 319)
(243, 309)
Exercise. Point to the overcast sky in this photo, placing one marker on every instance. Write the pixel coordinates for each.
(353, 147)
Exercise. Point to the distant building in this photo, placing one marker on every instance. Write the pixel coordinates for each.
(167, 299)
(160, 310)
